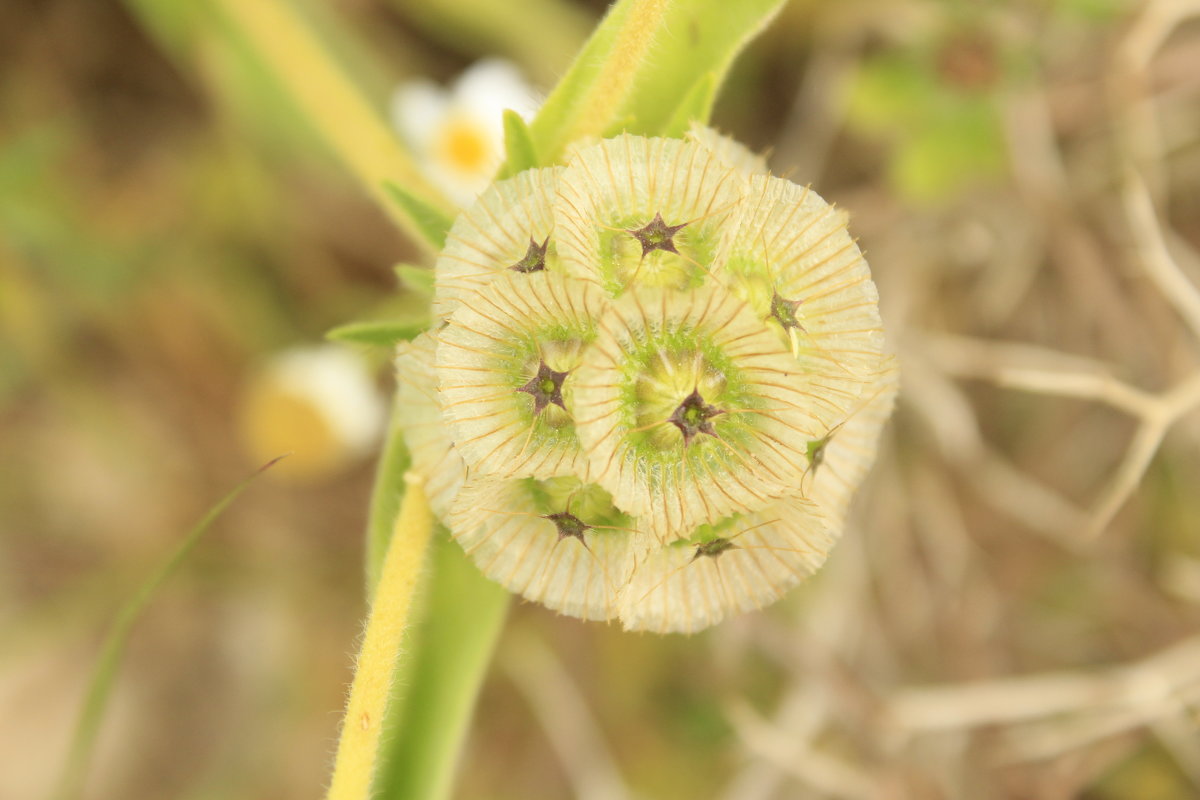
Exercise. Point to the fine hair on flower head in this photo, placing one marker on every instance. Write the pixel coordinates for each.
(657, 377)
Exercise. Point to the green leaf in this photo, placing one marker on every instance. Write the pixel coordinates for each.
(446, 660)
(431, 223)
(416, 279)
(83, 740)
(380, 333)
(641, 64)
(697, 106)
(698, 37)
(472, 27)
(519, 151)
(590, 95)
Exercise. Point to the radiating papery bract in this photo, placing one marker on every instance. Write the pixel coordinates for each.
(508, 229)
(739, 563)
(690, 409)
(425, 431)
(788, 254)
(729, 152)
(841, 458)
(505, 364)
(645, 212)
(663, 373)
(558, 542)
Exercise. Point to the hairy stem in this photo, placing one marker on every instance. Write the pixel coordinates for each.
(329, 100)
(386, 496)
(358, 746)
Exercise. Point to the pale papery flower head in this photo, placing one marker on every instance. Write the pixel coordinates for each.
(506, 230)
(506, 363)
(657, 377)
(430, 447)
(559, 542)
(743, 562)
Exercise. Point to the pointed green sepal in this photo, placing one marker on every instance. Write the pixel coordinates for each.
(429, 221)
(519, 153)
(696, 106)
(376, 334)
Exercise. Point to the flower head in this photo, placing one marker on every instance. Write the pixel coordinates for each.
(458, 135)
(658, 377)
(319, 403)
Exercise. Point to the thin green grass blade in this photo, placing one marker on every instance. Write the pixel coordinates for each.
(435, 694)
(99, 689)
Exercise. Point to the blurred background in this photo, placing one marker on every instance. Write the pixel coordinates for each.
(1014, 611)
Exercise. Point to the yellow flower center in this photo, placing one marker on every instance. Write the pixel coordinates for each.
(275, 421)
(465, 146)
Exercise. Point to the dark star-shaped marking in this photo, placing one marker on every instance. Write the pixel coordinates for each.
(545, 388)
(784, 311)
(534, 259)
(694, 416)
(657, 235)
(713, 548)
(569, 526)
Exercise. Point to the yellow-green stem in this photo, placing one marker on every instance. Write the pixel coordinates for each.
(613, 84)
(577, 110)
(331, 102)
(358, 747)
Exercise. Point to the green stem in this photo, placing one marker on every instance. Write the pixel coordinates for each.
(386, 495)
(588, 100)
(331, 102)
(448, 659)
(358, 746)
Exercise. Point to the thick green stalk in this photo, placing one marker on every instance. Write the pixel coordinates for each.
(329, 100)
(386, 495)
(448, 659)
(366, 709)
(589, 98)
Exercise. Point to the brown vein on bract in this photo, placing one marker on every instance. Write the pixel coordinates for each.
(735, 503)
(856, 261)
(519, 560)
(797, 207)
(817, 218)
(494, 450)
(494, 217)
(499, 550)
(542, 569)
(741, 457)
(503, 312)
(629, 168)
(858, 280)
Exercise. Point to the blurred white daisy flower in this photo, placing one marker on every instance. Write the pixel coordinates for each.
(318, 403)
(457, 134)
